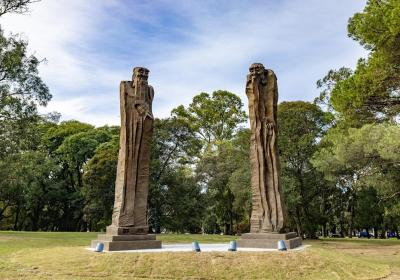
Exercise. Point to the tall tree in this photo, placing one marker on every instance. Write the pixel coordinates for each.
(213, 118)
(371, 92)
(21, 91)
(174, 146)
(99, 184)
(301, 124)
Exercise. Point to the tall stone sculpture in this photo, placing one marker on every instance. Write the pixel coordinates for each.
(131, 185)
(129, 221)
(268, 212)
(262, 92)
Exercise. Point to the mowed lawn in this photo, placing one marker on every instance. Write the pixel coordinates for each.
(44, 255)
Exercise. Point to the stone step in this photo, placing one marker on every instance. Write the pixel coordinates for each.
(128, 245)
(274, 236)
(133, 237)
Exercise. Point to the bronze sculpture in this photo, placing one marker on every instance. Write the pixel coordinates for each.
(267, 222)
(131, 185)
(129, 228)
(262, 92)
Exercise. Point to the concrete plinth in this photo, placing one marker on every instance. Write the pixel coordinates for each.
(268, 240)
(127, 242)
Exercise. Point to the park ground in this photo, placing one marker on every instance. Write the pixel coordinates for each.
(45, 255)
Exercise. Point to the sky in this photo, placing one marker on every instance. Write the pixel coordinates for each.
(188, 46)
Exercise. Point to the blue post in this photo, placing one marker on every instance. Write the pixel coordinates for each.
(196, 246)
(99, 247)
(282, 245)
(232, 246)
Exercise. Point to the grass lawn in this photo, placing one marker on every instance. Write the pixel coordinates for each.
(43, 255)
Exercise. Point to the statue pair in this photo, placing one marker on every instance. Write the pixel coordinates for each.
(131, 187)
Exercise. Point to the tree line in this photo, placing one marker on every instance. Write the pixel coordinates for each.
(340, 155)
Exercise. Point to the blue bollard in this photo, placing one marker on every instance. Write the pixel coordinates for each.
(282, 245)
(232, 246)
(99, 247)
(196, 246)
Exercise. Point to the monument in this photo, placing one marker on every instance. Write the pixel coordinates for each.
(267, 223)
(129, 229)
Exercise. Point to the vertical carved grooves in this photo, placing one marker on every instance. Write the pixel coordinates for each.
(261, 89)
(131, 184)
(138, 153)
(126, 145)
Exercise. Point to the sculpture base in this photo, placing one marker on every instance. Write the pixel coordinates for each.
(269, 240)
(127, 242)
(115, 230)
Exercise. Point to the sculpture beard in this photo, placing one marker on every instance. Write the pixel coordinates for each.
(267, 214)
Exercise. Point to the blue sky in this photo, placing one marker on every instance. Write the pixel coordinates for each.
(189, 47)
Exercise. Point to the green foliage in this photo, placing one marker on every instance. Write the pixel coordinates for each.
(378, 26)
(174, 146)
(184, 202)
(55, 136)
(360, 151)
(225, 173)
(99, 184)
(301, 124)
(369, 212)
(21, 91)
(371, 92)
(214, 118)
(340, 168)
(369, 153)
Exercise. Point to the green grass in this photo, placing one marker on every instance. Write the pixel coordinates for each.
(366, 241)
(43, 255)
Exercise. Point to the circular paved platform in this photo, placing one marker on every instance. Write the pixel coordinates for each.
(215, 247)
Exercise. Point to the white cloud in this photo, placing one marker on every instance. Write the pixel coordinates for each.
(189, 47)
(81, 108)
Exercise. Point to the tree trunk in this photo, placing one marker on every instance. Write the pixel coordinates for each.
(351, 221)
(17, 211)
(298, 222)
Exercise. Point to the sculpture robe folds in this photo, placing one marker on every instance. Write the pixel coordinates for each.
(132, 182)
(262, 92)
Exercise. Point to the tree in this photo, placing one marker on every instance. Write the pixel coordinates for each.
(371, 92)
(184, 202)
(21, 91)
(174, 146)
(369, 212)
(213, 118)
(15, 6)
(99, 184)
(361, 158)
(301, 124)
(226, 175)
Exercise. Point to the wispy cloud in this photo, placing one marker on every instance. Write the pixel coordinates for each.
(189, 46)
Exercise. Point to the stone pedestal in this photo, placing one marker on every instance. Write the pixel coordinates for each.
(269, 240)
(127, 242)
(127, 238)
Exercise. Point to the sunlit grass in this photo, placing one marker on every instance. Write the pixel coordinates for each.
(42, 255)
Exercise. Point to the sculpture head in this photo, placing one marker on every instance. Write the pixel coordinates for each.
(257, 73)
(257, 69)
(140, 73)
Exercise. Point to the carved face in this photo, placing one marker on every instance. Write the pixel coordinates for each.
(256, 69)
(140, 73)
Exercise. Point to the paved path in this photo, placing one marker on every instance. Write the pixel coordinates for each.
(215, 247)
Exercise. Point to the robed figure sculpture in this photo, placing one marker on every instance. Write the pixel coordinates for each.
(132, 181)
(129, 229)
(268, 211)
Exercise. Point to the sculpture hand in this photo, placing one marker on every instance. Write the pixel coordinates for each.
(142, 109)
(270, 125)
